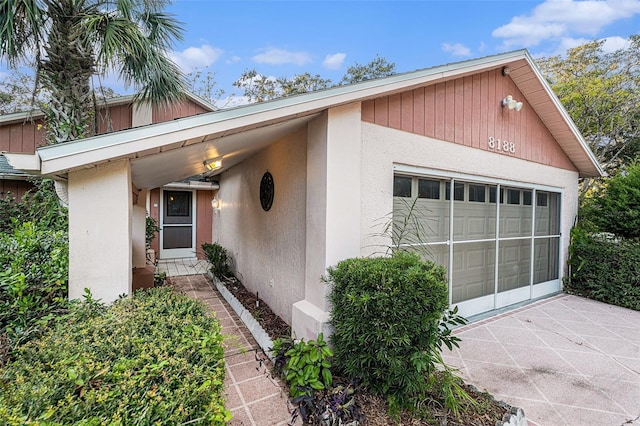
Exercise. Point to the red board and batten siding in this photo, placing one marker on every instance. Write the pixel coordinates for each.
(21, 138)
(467, 111)
(171, 112)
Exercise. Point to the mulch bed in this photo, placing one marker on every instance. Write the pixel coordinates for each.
(373, 407)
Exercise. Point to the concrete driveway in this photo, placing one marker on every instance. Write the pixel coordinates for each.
(565, 360)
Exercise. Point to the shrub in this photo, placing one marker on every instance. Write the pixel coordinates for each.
(34, 266)
(386, 317)
(604, 269)
(219, 259)
(39, 205)
(155, 358)
(617, 209)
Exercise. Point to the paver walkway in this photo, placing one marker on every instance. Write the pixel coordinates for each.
(566, 360)
(252, 395)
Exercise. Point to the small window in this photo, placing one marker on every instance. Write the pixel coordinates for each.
(526, 198)
(402, 186)
(477, 193)
(429, 189)
(492, 194)
(458, 191)
(541, 199)
(513, 196)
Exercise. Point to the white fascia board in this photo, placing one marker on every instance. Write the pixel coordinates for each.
(567, 119)
(193, 184)
(126, 143)
(26, 162)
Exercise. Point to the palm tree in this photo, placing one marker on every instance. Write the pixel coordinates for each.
(69, 41)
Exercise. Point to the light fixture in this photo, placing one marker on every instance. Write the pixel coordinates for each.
(215, 203)
(212, 165)
(511, 103)
(506, 71)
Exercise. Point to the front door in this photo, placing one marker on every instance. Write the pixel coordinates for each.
(177, 238)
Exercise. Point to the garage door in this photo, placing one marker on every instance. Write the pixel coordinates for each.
(484, 234)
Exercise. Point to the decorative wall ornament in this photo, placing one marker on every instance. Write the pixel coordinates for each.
(266, 191)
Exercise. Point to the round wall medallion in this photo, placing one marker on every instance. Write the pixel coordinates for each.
(266, 191)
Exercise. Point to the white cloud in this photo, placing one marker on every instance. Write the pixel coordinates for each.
(456, 49)
(274, 56)
(611, 44)
(233, 60)
(557, 19)
(335, 61)
(196, 57)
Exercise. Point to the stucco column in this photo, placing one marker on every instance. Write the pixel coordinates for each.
(138, 242)
(100, 223)
(333, 210)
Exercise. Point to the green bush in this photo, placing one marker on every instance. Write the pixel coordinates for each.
(386, 316)
(34, 266)
(155, 358)
(39, 205)
(617, 208)
(604, 269)
(219, 259)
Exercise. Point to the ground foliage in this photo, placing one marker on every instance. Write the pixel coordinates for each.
(155, 358)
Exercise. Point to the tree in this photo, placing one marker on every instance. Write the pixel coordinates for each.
(601, 93)
(203, 83)
(15, 95)
(72, 40)
(377, 68)
(260, 88)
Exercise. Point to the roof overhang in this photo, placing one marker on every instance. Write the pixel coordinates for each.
(168, 152)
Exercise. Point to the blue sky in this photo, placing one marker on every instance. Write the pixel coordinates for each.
(284, 38)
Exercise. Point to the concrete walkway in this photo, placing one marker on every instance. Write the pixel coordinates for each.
(566, 360)
(253, 396)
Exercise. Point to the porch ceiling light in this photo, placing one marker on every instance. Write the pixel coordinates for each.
(511, 103)
(212, 165)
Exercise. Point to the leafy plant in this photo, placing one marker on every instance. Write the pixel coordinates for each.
(219, 259)
(154, 358)
(151, 230)
(307, 366)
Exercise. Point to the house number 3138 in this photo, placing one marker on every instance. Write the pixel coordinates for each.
(501, 146)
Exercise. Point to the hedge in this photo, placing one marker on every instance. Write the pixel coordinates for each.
(155, 358)
(386, 315)
(605, 269)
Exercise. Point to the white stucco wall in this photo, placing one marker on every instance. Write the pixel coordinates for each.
(100, 218)
(383, 147)
(268, 247)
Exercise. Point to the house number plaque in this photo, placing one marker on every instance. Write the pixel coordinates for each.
(502, 146)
